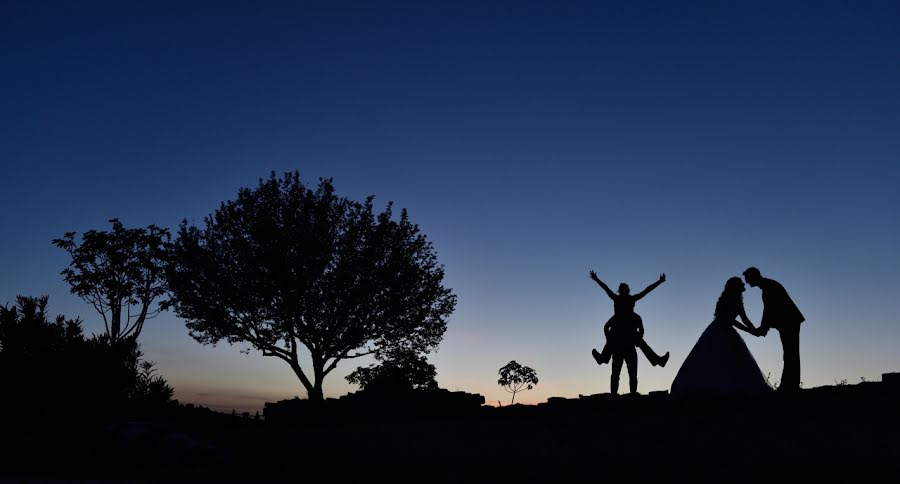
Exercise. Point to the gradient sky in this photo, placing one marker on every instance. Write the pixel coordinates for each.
(530, 141)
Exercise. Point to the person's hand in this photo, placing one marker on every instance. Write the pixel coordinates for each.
(662, 277)
(593, 275)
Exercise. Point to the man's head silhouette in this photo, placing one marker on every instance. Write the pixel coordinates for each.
(752, 276)
(624, 290)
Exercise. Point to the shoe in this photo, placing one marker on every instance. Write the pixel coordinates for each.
(597, 357)
(663, 359)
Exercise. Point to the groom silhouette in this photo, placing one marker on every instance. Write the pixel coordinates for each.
(780, 312)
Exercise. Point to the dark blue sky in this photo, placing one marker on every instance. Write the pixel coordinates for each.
(531, 141)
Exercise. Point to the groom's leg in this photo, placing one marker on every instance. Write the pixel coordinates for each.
(790, 342)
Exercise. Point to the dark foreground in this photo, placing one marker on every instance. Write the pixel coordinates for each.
(834, 434)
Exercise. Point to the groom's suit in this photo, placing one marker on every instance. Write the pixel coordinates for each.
(780, 312)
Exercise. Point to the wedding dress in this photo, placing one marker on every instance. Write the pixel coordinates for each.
(720, 362)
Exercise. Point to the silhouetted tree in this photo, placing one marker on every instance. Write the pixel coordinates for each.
(120, 272)
(515, 377)
(400, 370)
(285, 266)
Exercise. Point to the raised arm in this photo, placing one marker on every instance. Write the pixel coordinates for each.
(596, 279)
(662, 279)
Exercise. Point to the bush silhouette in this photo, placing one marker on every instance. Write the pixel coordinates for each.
(47, 365)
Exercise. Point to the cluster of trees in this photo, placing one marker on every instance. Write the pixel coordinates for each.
(296, 272)
(49, 365)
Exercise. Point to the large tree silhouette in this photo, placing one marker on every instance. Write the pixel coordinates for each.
(120, 272)
(287, 268)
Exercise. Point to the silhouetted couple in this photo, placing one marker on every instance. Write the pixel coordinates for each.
(720, 362)
(625, 332)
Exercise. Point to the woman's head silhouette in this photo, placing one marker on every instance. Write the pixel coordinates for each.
(733, 287)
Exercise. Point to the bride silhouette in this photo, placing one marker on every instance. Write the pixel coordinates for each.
(720, 362)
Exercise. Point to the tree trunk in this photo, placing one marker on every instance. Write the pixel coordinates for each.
(307, 385)
(313, 388)
(116, 326)
(318, 363)
(315, 393)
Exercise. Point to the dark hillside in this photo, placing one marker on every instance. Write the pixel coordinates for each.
(838, 433)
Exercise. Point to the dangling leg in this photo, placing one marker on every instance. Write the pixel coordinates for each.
(651, 355)
(606, 354)
(603, 356)
(631, 363)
